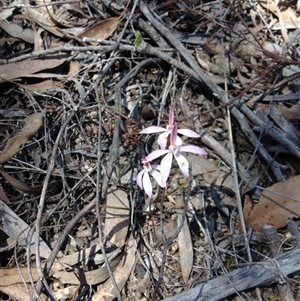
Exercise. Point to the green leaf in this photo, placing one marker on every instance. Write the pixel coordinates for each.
(138, 39)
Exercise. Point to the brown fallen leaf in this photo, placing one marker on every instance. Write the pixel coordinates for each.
(90, 277)
(3, 196)
(19, 231)
(12, 147)
(23, 187)
(185, 243)
(107, 291)
(32, 124)
(74, 68)
(19, 185)
(276, 205)
(18, 31)
(289, 113)
(13, 275)
(42, 86)
(26, 68)
(39, 15)
(101, 30)
(117, 217)
(19, 292)
(288, 14)
(15, 143)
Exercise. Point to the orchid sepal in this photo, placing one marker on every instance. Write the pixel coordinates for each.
(152, 129)
(188, 133)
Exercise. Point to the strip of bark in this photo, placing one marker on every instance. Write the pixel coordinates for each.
(256, 275)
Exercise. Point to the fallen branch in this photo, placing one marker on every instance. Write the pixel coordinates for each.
(260, 274)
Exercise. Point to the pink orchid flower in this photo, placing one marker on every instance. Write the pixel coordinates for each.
(163, 137)
(143, 178)
(175, 150)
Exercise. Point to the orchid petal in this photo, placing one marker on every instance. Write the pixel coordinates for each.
(158, 178)
(153, 129)
(147, 184)
(171, 114)
(163, 139)
(193, 149)
(183, 164)
(178, 141)
(144, 160)
(166, 164)
(188, 133)
(174, 136)
(155, 154)
(139, 179)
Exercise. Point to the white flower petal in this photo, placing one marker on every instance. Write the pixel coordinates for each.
(165, 166)
(153, 129)
(158, 178)
(147, 184)
(188, 133)
(178, 141)
(193, 149)
(155, 154)
(163, 139)
(139, 179)
(183, 164)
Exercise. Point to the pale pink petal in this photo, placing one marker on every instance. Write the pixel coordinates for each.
(139, 179)
(193, 149)
(155, 154)
(153, 129)
(158, 178)
(188, 133)
(183, 164)
(174, 136)
(162, 139)
(165, 166)
(147, 184)
(171, 114)
(178, 141)
(144, 160)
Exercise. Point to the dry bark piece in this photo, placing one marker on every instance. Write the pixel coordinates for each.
(274, 243)
(276, 205)
(255, 275)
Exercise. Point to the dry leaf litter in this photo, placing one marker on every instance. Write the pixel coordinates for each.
(79, 81)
